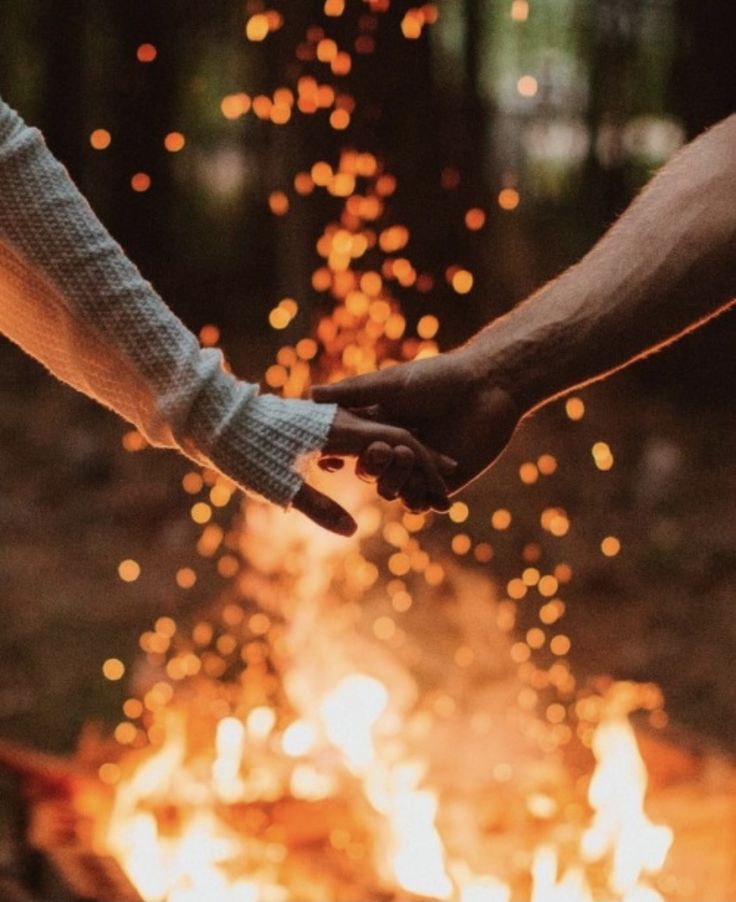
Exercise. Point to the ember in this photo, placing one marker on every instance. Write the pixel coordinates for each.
(366, 718)
(280, 752)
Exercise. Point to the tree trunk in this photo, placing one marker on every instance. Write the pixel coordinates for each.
(705, 82)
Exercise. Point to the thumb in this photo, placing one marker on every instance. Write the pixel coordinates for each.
(356, 391)
(323, 511)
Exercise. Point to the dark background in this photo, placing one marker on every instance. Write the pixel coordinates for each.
(613, 72)
(621, 84)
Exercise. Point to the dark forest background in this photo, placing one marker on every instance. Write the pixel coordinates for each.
(620, 84)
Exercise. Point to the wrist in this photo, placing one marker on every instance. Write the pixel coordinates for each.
(543, 347)
(500, 360)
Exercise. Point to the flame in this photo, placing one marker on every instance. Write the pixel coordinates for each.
(349, 715)
(229, 743)
(133, 834)
(188, 859)
(417, 851)
(485, 889)
(345, 733)
(620, 829)
(167, 828)
(572, 887)
(620, 826)
(196, 816)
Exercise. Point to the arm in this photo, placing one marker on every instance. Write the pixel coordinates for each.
(668, 265)
(71, 298)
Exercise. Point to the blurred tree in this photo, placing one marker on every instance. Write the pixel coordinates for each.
(705, 86)
(63, 40)
(443, 108)
(143, 111)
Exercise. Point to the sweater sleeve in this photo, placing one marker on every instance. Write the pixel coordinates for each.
(70, 297)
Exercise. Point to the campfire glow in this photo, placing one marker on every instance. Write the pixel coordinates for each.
(173, 824)
(287, 746)
(334, 789)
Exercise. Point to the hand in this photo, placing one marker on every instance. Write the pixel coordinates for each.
(407, 469)
(441, 400)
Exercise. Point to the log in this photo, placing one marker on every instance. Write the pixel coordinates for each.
(42, 772)
(58, 830)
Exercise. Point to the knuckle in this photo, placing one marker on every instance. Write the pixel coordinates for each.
(405, 455)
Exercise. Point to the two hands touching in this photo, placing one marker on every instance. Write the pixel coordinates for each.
(667, 266)
(421, 431)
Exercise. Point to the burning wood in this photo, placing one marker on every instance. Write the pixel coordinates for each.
(63, 800)
(331, 848)
(42, 773)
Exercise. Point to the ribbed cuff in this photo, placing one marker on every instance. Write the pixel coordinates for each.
(265, 445)
(259, 441)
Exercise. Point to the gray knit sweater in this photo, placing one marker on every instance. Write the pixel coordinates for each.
(71, 299)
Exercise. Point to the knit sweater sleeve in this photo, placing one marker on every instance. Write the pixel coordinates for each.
(70, 297)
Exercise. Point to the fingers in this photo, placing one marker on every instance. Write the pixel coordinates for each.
(352, 435)
(396, 473)
(400, 477)
(324, 511)
(357, 391)
(371, 462)
(427, 464)
(374, 460)
(414, 496)
(447, 465)
(394, 470)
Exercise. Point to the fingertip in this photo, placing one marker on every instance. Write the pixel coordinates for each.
(324, 511)
(379, 454)
(321, 394)
(336, 519)
(418, 509)
(388, 494)
(440, 503)
(348, 527)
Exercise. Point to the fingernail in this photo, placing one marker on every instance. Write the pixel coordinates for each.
(346, 526)
(331, 464)
(440, 503)
(449, 463)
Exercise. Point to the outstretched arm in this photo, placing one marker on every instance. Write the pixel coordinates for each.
(71, 298)
(667, 266)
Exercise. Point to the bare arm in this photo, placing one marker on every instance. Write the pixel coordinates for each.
(667, 265)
